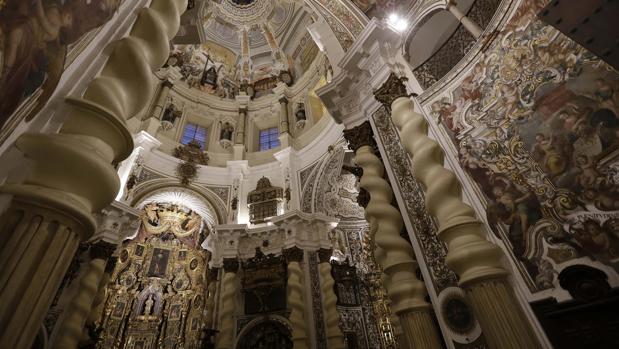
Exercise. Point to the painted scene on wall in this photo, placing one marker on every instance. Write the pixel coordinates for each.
(536, 125)
(35, 36)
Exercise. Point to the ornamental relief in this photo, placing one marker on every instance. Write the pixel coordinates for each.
(535, 125)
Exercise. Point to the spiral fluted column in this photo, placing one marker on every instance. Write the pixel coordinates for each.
(296, 302)
(72, 326)
(73, 174)
(396, 257)
(210, 298)
(225, 337)
(477, 261)
(335, 337)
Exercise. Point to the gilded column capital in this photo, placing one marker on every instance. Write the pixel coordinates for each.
(101, 250)
(293, 254)
(231, 265)
(391, 90)
(360, 136)
(324, 255)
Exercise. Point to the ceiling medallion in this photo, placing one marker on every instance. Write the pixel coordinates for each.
(244, 12)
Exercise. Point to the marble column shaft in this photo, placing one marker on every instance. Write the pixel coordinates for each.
(477, 261)
(296, 299)
(240, 129)
(37, 246)
(73, 174)
(284, 126)
(406, 291)
(335, 337)
(81, 303)
(225, 337)
(468, 24)
(159, 106)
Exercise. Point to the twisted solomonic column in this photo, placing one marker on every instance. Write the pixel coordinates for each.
(396, 257)
(335, 337)
(296, 302)
(225, 337)
(81, 304)
(72, 174)
(210, 297)
(476, 260)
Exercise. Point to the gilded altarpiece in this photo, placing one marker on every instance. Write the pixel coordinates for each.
(155, 298)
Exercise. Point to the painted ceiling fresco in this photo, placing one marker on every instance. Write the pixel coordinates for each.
(535, 126)
(35, 37)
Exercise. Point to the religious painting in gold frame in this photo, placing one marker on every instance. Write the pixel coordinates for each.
(159, 262)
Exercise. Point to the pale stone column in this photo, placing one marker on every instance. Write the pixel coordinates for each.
(225, 337)
(477, 261)
(294, 256)
(239, 139)
(407, 293)
(335, 337)
(72, 173)
(38, 244)
(210, 299)
(284, 124)
(468, 24)
(159, 106)
(98, 303)
(70, 331)
(240, 128)
(152, 122)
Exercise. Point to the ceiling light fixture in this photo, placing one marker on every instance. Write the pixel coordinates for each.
(398, 23)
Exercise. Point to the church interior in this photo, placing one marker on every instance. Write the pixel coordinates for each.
(309, 174)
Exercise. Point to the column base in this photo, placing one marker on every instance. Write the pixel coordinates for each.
(500, 315)
(419, 329)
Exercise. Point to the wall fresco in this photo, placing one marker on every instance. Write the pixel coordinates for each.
(535, 125)
(35, 37)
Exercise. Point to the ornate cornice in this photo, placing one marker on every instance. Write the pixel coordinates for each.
(391, 90)
(102, 250)
(231, 265)
(293, 254)
(324, 255)
(360, 136)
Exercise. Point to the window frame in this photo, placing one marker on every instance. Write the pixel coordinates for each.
(196, 134)
(272, 138)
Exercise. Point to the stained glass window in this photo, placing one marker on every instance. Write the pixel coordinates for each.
(194, 132)
(269, 138)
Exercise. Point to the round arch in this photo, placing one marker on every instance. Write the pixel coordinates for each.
(202, 200)
(274, 323)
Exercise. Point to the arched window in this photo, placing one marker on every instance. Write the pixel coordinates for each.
(194, 132)
(269, 138)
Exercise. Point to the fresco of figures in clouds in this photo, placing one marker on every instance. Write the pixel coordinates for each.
(535, 124)
(35, 36)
